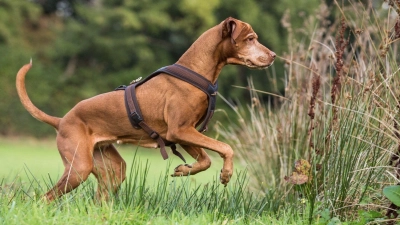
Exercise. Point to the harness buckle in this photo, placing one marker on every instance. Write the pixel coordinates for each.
(136, 118)
(121, 87)
(154, 135)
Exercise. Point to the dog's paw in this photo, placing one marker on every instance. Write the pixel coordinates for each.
(225, 176)
(182, 170)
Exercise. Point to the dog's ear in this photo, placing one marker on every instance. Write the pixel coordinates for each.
(231, 27)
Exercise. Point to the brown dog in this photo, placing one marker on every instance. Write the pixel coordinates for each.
(170, 106)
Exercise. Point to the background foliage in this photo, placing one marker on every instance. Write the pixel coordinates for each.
(81, 48)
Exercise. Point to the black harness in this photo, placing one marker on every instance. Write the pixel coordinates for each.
(182, 73)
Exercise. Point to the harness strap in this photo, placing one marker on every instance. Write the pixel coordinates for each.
(137, 122)
(132, 107)
(198, 81)
(182, 73)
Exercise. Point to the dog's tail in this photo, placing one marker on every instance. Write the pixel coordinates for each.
(27, 103)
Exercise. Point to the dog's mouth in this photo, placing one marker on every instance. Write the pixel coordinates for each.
(267, 66)
(252, 65)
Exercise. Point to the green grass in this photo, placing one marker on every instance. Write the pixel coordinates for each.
(148, 196)
(41, 159)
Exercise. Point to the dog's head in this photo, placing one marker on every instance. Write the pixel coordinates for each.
(244, 48)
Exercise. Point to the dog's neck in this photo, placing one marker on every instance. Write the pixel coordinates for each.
(203, 56)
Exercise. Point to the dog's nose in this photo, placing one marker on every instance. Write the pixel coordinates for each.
(272, 54)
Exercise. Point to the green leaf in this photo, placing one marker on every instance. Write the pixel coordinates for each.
(392, 193)
(334, 221)
(326, 214)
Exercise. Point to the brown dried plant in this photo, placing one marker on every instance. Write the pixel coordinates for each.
(316, 84)
(340, 45)
(394, 4)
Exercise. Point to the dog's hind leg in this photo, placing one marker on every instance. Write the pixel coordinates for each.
(78, 162)
(202, 163)
(109, 169)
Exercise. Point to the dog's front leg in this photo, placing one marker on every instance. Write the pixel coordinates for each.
(202, 163)
(189, 136)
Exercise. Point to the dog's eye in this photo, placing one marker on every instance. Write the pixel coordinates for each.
(250, 39)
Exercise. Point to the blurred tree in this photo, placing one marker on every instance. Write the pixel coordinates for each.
(17, 20)
(84, 47)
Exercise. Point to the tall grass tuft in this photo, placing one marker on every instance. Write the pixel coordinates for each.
(169, 195)
(344, 127)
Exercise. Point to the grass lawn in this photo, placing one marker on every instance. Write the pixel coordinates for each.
(151, 199)
(40, 158)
